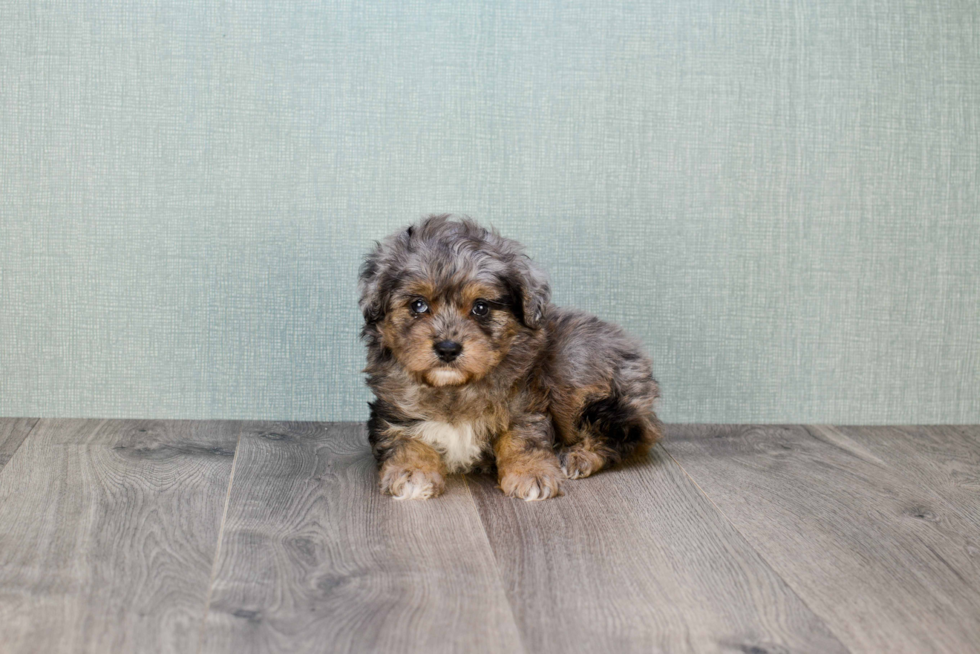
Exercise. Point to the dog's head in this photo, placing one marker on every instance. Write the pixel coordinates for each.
(447, 299)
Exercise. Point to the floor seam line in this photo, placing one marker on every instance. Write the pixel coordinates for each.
(221, 534)
(496, 563)
(30, 431)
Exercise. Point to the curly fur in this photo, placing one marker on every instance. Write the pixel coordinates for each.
(539, 392)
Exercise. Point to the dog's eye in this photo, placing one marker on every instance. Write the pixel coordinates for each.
(480, 308)
(419, 306)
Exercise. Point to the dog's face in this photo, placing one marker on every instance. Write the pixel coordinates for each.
(449, 336)
(447, 299)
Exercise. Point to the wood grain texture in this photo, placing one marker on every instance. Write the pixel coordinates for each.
(638, 560)
(886, 563)
(314, 558)
(945, 459)
(13, 431)
(108, 531)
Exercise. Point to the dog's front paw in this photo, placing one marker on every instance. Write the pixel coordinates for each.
(538, 483)
(404, 483)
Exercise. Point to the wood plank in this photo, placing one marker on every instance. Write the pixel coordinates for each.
(313, 558)
(637, 560)
(945, 459)
(108, 530)
(885, 562)
(13, 431)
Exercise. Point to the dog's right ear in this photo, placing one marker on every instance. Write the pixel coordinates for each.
(376, 282)
(372, 301)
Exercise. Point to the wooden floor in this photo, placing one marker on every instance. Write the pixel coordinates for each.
(160, 536)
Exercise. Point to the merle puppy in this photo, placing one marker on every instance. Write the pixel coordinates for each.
(472, 366)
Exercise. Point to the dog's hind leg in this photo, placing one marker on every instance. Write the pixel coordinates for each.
(609, 429)
(601, 392)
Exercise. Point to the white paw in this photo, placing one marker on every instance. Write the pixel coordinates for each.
(416, 488)
(532, 486)
(406, 484)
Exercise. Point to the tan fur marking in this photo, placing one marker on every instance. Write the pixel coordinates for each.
(420, 288)
(475, 291)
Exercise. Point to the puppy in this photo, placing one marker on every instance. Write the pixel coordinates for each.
(471, 366)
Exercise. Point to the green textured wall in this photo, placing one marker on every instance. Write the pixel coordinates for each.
(781, 199)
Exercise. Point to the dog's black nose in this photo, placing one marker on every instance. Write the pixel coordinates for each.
(448, 350)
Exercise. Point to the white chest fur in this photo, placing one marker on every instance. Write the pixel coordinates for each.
(460, 445)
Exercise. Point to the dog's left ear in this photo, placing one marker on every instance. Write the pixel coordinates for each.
(530, 286)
